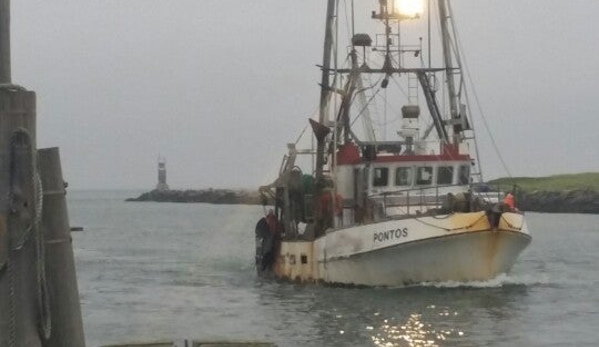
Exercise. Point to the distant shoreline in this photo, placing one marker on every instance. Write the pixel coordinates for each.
(570, 201)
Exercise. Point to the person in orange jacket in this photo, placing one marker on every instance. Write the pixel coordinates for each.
(509, 201)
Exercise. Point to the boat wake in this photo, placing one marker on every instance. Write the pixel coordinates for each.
(500, 281)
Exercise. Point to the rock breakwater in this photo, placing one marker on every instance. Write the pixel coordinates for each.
(212, 196)
(569, 201)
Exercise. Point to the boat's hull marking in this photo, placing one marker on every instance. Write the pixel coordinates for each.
(363, 255)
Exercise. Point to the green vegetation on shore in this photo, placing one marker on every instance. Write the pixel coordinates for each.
(557, 183)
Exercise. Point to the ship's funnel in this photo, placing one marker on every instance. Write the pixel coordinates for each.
(5, 41)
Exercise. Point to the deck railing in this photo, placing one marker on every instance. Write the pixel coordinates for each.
(423, 199)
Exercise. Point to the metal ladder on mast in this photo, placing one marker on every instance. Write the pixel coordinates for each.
(413, 84)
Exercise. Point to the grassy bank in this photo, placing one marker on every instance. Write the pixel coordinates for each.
(557, 183)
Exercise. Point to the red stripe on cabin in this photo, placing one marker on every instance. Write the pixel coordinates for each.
(349, 154)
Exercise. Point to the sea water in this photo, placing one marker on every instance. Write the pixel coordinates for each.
(151, 271)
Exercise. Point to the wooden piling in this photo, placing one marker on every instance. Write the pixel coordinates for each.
(65, 309)
(18, 267)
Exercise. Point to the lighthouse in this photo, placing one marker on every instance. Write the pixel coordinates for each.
(162, 175)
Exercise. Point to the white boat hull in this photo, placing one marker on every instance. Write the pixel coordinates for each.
(463, 257)
(460, 247)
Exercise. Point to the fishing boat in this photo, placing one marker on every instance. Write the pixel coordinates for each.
(370, 209)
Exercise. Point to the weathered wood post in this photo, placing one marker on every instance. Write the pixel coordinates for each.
(39, 303)
(19, 273)
(67, 327)
(18, 270)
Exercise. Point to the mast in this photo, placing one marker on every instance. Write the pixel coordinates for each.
(320, 130)
(447, 55)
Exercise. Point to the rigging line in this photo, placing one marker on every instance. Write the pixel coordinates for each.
(353, 19)
(336, 56)
(387, 104)
(375, 108)
(399, 87)
(314, 112)
(365, 106)
(429, 34)
(385, 101)
(366, 118)
(422, 63)
(364, 89)
(301, 135)
(443, 100)
(355, 94)
(482, 114)
(336, 39)
(372, 62)
(371, 109)
(347, 58)
(347, 21)
(454, 47)
(457, 51)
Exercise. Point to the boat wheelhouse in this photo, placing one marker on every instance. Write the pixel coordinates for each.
(400, 184)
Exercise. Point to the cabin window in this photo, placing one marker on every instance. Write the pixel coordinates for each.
(381, 177)
(444, 175)
(403, 176)
(464, 177)
(424, 175)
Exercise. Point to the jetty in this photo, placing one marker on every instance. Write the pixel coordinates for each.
(211, 196)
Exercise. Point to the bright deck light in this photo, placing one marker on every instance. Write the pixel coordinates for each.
(409, 8)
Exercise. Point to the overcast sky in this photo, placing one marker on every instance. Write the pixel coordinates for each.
(218, 87)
